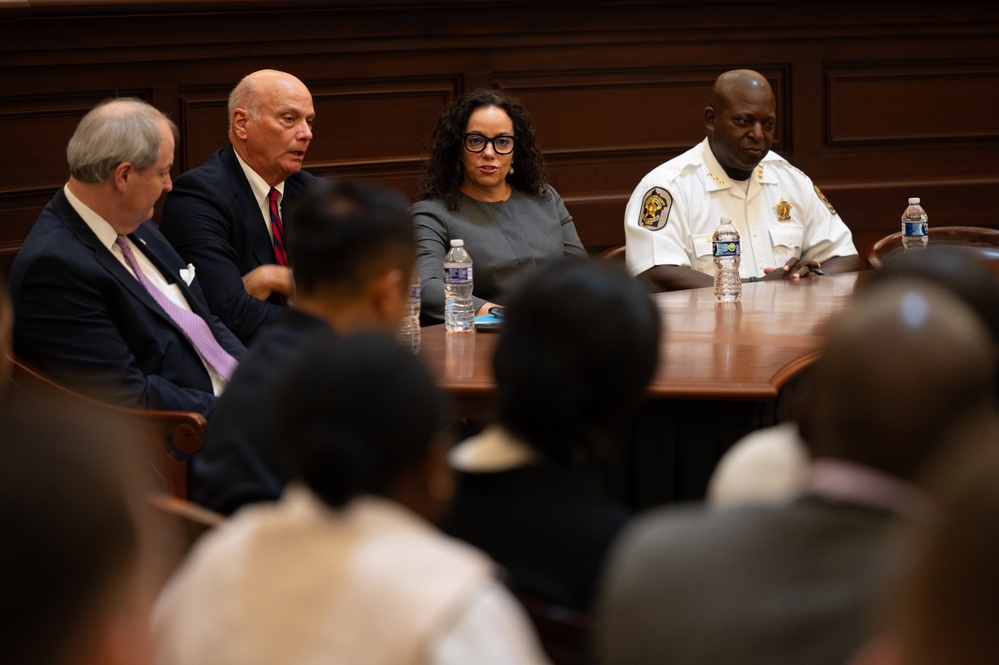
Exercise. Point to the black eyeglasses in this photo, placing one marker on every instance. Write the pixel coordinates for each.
(503, 145)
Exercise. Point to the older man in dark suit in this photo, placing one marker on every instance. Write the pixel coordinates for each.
(225, 216)
(103, 301)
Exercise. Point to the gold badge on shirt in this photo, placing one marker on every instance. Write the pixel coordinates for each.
(783, 211)
(823, 198)
(655, 209)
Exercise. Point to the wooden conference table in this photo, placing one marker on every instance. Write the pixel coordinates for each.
(721, 372)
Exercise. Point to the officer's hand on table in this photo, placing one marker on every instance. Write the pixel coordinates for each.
(794, 269)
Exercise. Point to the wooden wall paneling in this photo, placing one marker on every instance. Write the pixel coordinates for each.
(203, 119)
(942, 148)
(35, 130)
(597, 77)
(915, 102)
(875, 210)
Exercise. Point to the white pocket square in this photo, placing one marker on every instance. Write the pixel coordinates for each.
(187, 274)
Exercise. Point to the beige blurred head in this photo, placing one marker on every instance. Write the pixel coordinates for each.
(903, 375)
(88, 553)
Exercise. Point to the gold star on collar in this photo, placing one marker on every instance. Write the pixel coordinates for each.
(759, 171)
(716, 178)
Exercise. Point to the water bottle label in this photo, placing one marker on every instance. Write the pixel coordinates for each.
(462, 275)
(915, 229)
(727, 248)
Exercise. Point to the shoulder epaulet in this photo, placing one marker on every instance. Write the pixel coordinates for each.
(784, 164)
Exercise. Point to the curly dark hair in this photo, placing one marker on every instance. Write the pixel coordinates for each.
(443, 172)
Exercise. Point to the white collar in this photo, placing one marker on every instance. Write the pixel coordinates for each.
(261, 190)
(716, 178)
(101, 227)
(494, 449)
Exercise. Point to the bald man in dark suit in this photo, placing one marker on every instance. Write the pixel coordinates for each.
(218, 215)
(84, 315)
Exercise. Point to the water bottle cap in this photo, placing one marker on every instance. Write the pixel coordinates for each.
(457, 242)
(914, 201)
(726, 220)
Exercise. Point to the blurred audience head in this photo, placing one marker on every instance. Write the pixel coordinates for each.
(362, 415)
(81, 573)
(947, 603)
(902, 377)
(352, 244)
(578, 347)
(444, 171)
(954, 268)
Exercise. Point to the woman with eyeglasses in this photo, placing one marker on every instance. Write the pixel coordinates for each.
(486, 183)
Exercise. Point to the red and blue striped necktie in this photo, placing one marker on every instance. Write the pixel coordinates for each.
(278, 228)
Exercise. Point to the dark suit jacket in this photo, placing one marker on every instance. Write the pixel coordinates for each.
(240, 461)
(549, 525)
(214, 222)
(754, 584)
(84, 319)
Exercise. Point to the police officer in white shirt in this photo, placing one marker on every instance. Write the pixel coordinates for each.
(788, 229)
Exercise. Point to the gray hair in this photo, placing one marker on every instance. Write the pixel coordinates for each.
(112, 133)
(244, 96)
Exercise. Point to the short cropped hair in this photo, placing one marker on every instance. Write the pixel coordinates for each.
(356, 414)
(342, 233)
(112, 133)
(579, 345)
(926, 363)
(244, 96)
(67, 515)
(955, 268)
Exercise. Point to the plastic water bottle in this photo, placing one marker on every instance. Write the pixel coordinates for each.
(409, 332)
(915, 226)
(728, 284)
(459, 310)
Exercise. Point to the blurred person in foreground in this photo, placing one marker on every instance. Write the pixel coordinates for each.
(771, 464)
(906, 378)
(945, 610)
(346, 567)
(486, 183)
(82, 564)
(351, 245)
(578, 347)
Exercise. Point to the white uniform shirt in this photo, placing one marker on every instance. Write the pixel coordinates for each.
(675, 209)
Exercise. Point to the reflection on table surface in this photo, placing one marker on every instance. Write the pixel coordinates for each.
(745, 350)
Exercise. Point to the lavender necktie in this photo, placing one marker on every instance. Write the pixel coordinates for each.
(195, 328)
